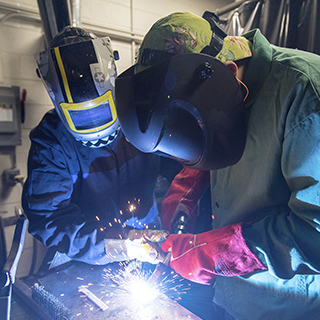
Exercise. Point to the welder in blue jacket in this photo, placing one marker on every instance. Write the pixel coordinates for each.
(86, 184)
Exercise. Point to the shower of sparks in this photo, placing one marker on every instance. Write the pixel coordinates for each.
(133, 286)
(128, 287)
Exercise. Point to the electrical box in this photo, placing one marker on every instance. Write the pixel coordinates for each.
(10, 116)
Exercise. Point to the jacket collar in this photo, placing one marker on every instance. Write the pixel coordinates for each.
(259, 65)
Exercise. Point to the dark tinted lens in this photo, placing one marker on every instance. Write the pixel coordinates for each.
(91, 118)
(182, 136)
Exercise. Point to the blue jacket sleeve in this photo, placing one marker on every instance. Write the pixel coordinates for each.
(47, 201)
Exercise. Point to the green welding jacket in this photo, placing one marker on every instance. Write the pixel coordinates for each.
(276, 187)
(75, 196)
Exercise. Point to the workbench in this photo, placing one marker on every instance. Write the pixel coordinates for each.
(64, 282)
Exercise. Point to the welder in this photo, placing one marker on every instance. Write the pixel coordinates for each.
(86, 184)
(249, 113)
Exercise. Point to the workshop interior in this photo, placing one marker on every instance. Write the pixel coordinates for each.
(27, 27)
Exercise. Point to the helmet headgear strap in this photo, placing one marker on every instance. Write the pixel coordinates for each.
(218, 34)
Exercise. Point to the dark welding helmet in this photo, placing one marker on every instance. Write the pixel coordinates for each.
(78, 72)
(189, 106)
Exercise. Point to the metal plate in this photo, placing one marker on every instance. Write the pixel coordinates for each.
(64, 285)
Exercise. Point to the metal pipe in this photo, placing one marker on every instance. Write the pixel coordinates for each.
(133, 42)
(12, 8)
(116, 34)
(76, 13)
(55, 15)
(12, 11)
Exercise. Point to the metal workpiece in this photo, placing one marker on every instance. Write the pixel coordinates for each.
(107, 292)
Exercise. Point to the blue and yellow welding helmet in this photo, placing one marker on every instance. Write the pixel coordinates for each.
(78, 72)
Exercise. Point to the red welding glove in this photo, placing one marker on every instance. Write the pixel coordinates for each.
(201, 257)
(182, 196)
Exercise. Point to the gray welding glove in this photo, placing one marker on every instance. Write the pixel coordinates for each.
(143, 245)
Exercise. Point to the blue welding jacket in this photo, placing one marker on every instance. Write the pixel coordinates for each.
(75, 196)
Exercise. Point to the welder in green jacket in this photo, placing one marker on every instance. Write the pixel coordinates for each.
(248, 112)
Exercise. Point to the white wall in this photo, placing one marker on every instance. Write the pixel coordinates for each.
(125, 21)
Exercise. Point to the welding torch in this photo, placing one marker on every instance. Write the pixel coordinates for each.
(160, 269)
(179, 226)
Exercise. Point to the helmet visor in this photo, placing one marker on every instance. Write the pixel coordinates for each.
(183, 133)
(90, 116)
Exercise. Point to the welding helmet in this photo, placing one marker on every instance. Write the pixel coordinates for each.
(181, 101)
(78, 71)
(189, 106)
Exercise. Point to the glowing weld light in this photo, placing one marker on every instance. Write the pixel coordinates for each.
(134, 288)
(141, 292)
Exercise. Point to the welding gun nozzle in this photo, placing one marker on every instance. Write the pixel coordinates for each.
(160, 269)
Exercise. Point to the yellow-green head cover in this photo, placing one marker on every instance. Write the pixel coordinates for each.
(185, 32)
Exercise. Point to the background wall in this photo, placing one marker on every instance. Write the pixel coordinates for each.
(21, 36)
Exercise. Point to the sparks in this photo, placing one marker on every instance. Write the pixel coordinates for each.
(132, 283)
(128, 286)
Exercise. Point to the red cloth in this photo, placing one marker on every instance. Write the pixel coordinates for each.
(186, 188)
(201, 257)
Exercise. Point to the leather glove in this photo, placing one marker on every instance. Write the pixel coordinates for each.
(142, 245)
(199, 258)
